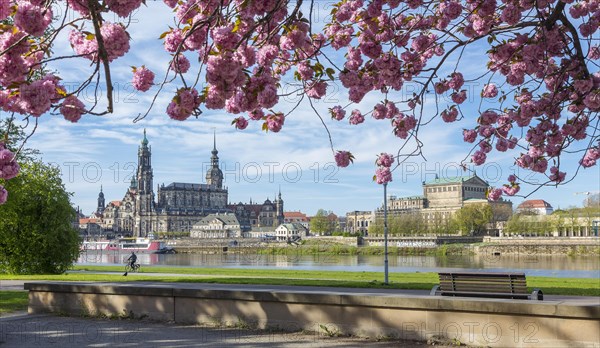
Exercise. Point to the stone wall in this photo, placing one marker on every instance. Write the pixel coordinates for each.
(473, 321)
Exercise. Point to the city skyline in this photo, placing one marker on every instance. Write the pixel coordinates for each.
(256, 179)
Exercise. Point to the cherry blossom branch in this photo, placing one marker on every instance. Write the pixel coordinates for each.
(102, 54)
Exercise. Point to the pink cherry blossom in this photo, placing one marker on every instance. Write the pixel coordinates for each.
(469, 135)
(343, 158)
(459, 97)
(590, 158)
(72, 108)
(337, 113)
(32, 19)
(240, 123)
(143, 79)
(5, 9)
(180, 64)
(489, 91)
(450, 115)
(185, 102)
(494, 194)
(275, 122)
(3, 195)
(556, 175)
(383, 175)
(356, 117)
(385, 160)
(479, 157)
(123, 7)
(256, 115)
(9, 168)
(316, 89)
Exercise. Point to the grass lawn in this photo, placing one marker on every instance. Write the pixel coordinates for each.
(12, 301)
(422, 281)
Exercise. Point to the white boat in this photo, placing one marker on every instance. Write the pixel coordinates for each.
(124, 244)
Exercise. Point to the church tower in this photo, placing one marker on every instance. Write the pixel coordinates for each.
(145, 197)
(279, 206)
(101, 203)
(214, 175)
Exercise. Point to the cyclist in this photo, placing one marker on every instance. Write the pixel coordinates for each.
(132, 259)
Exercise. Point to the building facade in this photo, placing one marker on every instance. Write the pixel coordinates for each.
(442, 197)
(535, 207)
(221, 226)
(359, 221)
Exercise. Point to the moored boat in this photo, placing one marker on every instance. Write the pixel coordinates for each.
(140, 245)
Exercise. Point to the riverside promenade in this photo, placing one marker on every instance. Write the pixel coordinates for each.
(376, 314)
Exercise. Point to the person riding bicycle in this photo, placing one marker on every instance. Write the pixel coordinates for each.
(132, 259)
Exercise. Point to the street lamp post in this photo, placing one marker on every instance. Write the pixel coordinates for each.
(385, 234)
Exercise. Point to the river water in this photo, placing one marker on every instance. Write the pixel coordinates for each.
(533, 265)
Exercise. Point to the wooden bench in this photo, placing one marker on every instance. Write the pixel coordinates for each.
(491, 285)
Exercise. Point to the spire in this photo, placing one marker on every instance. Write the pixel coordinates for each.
(214, 151)
(279, 191)
(145, 140)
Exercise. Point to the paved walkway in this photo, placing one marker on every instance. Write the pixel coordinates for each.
(22, 330)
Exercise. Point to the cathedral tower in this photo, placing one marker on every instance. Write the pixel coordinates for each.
(279, 205)
(214, 175)
(101, 203)
(145, 197)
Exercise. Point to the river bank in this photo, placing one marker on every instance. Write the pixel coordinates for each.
(537, 247)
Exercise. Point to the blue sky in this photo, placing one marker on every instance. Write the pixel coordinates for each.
(103, 150)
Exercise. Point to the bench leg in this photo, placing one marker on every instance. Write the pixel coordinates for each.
(537, 295)
(434, 290)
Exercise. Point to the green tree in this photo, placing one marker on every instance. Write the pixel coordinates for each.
(36, 235)
(473, 218)
(321, 224)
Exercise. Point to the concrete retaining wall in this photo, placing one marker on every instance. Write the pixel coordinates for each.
(479, 322)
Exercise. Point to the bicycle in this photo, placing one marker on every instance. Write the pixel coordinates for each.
(134, 268)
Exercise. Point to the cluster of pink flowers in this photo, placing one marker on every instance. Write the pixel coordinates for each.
(403, 124)
(180, 64)
(123, 7)
(337, 113)
(9, 168)
(512, 188)
(275, 121)
(37, 97)
(343, 158)
(184, 104)
(591, 156)
(32, 18)
(3, 195)
(356, 117)
(143, 78)
(383, 173)
(240, 123)
(114, 35)
(72, 108)
(5, 9)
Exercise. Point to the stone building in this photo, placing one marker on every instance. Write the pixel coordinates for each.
(266, 214)
(296, 217)
(442, 197)
(217, 226)
(359, 221)
(535, 207)
(290, 232)
(178, 206)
